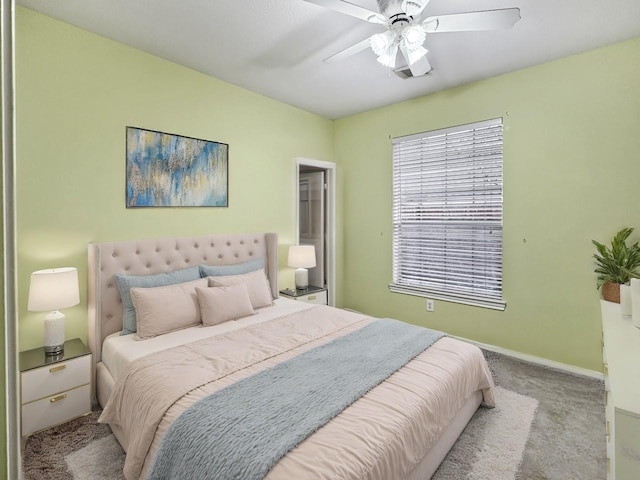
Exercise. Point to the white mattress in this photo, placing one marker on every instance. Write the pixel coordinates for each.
(119, 350)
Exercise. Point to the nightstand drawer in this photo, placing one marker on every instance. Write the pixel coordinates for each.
(58, 377)
(56, 409)
(319, 298)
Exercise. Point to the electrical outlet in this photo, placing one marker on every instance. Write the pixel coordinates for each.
(430, 305)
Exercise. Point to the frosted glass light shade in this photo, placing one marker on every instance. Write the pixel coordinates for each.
(381, 42)
(414, 35)
(385, 46)
(52, 289)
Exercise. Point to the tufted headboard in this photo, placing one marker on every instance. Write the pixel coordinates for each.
(161, 255)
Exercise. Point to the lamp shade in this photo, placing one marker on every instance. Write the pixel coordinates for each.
(302, 256)
(53, 289)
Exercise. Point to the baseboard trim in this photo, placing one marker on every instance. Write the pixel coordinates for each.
(563, 367)
(537, 360)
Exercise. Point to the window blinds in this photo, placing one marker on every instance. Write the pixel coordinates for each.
(447, 214)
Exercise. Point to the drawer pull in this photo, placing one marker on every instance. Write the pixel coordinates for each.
(58, 368)
(312, 297)
(606, 369)
(58, 398)
(608, 431)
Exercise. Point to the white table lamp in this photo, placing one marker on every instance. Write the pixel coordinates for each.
(302, 257)
(51, 290)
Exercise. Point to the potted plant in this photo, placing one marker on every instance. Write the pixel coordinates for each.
(616, 265)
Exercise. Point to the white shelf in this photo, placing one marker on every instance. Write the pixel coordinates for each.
(621, 357)
(622, 342)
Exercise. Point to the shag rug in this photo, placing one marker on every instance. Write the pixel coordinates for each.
(547, 425)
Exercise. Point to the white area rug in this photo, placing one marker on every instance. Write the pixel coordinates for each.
(492, 445)
(100, 460)
(490, 448)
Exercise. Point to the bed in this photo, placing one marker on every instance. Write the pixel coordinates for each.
(391, 432)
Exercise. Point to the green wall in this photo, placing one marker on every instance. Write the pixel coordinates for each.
(571, 174)
(76, 92)
(570, 171)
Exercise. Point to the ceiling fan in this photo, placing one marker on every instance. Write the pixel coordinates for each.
(407, 30)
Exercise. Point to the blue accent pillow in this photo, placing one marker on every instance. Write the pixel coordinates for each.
(127, 282)
(236, 269)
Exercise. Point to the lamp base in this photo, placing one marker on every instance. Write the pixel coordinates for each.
(302, 278)
(54, 333)
(53, 350)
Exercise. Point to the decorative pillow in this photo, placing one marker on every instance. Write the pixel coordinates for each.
(256, 282)
(236, 269)
(221, 304)
(126, 282)
(165, 309)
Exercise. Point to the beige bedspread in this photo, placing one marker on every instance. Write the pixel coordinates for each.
(381, 436)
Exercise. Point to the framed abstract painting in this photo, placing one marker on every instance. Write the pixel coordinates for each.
(166, 170)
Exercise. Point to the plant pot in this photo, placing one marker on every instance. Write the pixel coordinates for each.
(611, 292)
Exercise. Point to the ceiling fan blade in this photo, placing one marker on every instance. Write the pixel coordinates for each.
(351, 9)
(414, 7)
(473, 21)
(419, 67)
(352, 50)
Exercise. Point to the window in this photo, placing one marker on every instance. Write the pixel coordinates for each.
(447, 214)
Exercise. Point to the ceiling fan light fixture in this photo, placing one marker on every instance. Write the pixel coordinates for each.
(388, 57)
(414, 35)
(381, 42)
(407, 29)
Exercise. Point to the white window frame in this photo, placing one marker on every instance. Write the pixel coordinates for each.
(448, 214)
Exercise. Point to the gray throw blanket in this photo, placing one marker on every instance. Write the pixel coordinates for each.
(243, 430)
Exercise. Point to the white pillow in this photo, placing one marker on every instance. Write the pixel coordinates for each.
(221, 304)
(165, 309)
(256, 282)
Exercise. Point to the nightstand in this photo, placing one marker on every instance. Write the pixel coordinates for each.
(54, 389)
(310, 294)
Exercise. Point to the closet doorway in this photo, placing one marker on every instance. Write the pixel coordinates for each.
(315, 218)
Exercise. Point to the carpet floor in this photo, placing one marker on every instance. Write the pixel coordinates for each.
(567, 438)
(549, 425)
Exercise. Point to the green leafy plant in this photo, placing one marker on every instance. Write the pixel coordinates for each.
(618, 264)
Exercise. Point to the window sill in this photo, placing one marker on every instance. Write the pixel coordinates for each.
(448, 297)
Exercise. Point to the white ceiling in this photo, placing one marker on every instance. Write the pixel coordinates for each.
(277, 47)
